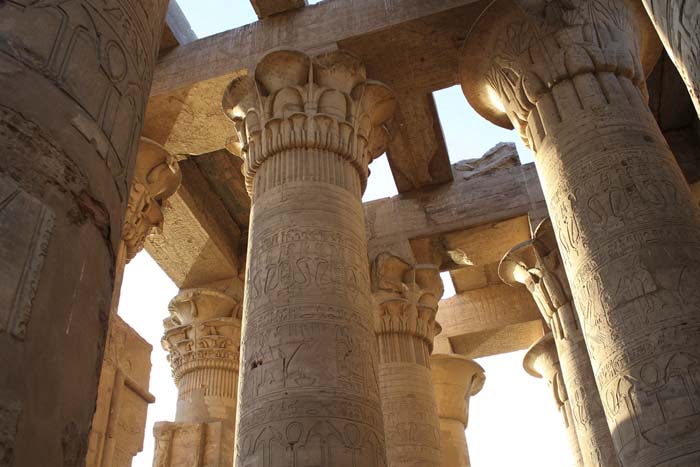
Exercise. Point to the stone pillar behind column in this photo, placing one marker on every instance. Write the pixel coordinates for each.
(74, 81)
(308, 391)
(678, 25)
(407, 297)
(570, 77)
(456, 379)
(537, 266)
(202, 338)
(542, 360)
(118, 425)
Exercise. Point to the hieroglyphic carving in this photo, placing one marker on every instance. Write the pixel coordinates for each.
(542, 361)
(116, 40)
(156, 177)
(456, 380)
(406, 298)
(536, 264)
(571, 78)
(309, 394)
(26, 225)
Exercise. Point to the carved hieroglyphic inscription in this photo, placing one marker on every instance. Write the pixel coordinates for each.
(570, 76)
(308, 393)
(25, 229)
(115, 40)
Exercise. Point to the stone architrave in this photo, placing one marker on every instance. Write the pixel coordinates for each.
(406, 299)
(202, 338)
(456, 379)
(570, 77)
(678, 25)
(309, 393)
(537, 266)
(74, 80)
(117, 430)
(542, 361)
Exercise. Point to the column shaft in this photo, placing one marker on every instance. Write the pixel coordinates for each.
(537, 266)
(74, 81)
(628, 230)
(407, 297)
(542, 361)
(308, 392)
(456, 379)
(678, 25)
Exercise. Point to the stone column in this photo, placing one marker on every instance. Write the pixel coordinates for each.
(118, 425)
(455, 379)
(202, 338)
(74, 81)
(570, 77)
(542, 361)
(537, 266)
(309, 393)
(678, 25)
(406, 299)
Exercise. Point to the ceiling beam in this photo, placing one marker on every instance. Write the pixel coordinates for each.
(266, 8)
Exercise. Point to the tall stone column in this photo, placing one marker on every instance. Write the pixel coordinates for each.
(456, 379)
(542, 361)
(74, 81)
(407, 297)
(570, 77)
(202, 338)
(678, 25)
(119, 421)
(537, 266)
(308, 393)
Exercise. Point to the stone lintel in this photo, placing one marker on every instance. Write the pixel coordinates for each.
(199, 242)
(265, 8)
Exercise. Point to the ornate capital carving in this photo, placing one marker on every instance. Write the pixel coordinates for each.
(542, 361)
(299, 102)
(407, 297)
(456, 379)
(521, 50)
(157, 176)
(202, 332)
(536, 264)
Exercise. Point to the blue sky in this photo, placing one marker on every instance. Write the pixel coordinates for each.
(513, 410)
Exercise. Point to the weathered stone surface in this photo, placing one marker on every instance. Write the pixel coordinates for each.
(499, 157)
(406, 298)
(627, 226)
(537, 266)
(542, 361)
(117, 429)
(456, 380)
(309, 389)
(265, 8)
(678, 24)
(74, 80)
(202, 338)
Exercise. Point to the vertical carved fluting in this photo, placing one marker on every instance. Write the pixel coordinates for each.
(542, 361)
(456, 379)
(308, 390)
(202, 338)
(537, 266)
(406, 299)
(678, 25)
(74, 80)
(570, 79)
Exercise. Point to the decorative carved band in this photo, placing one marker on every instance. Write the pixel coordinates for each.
(299, 102)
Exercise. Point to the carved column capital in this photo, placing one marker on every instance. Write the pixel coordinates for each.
(296, 102)
(456, 379)
(157, 176)
(542, 361)
(519, 51)
(202, 338)
(407, 298)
